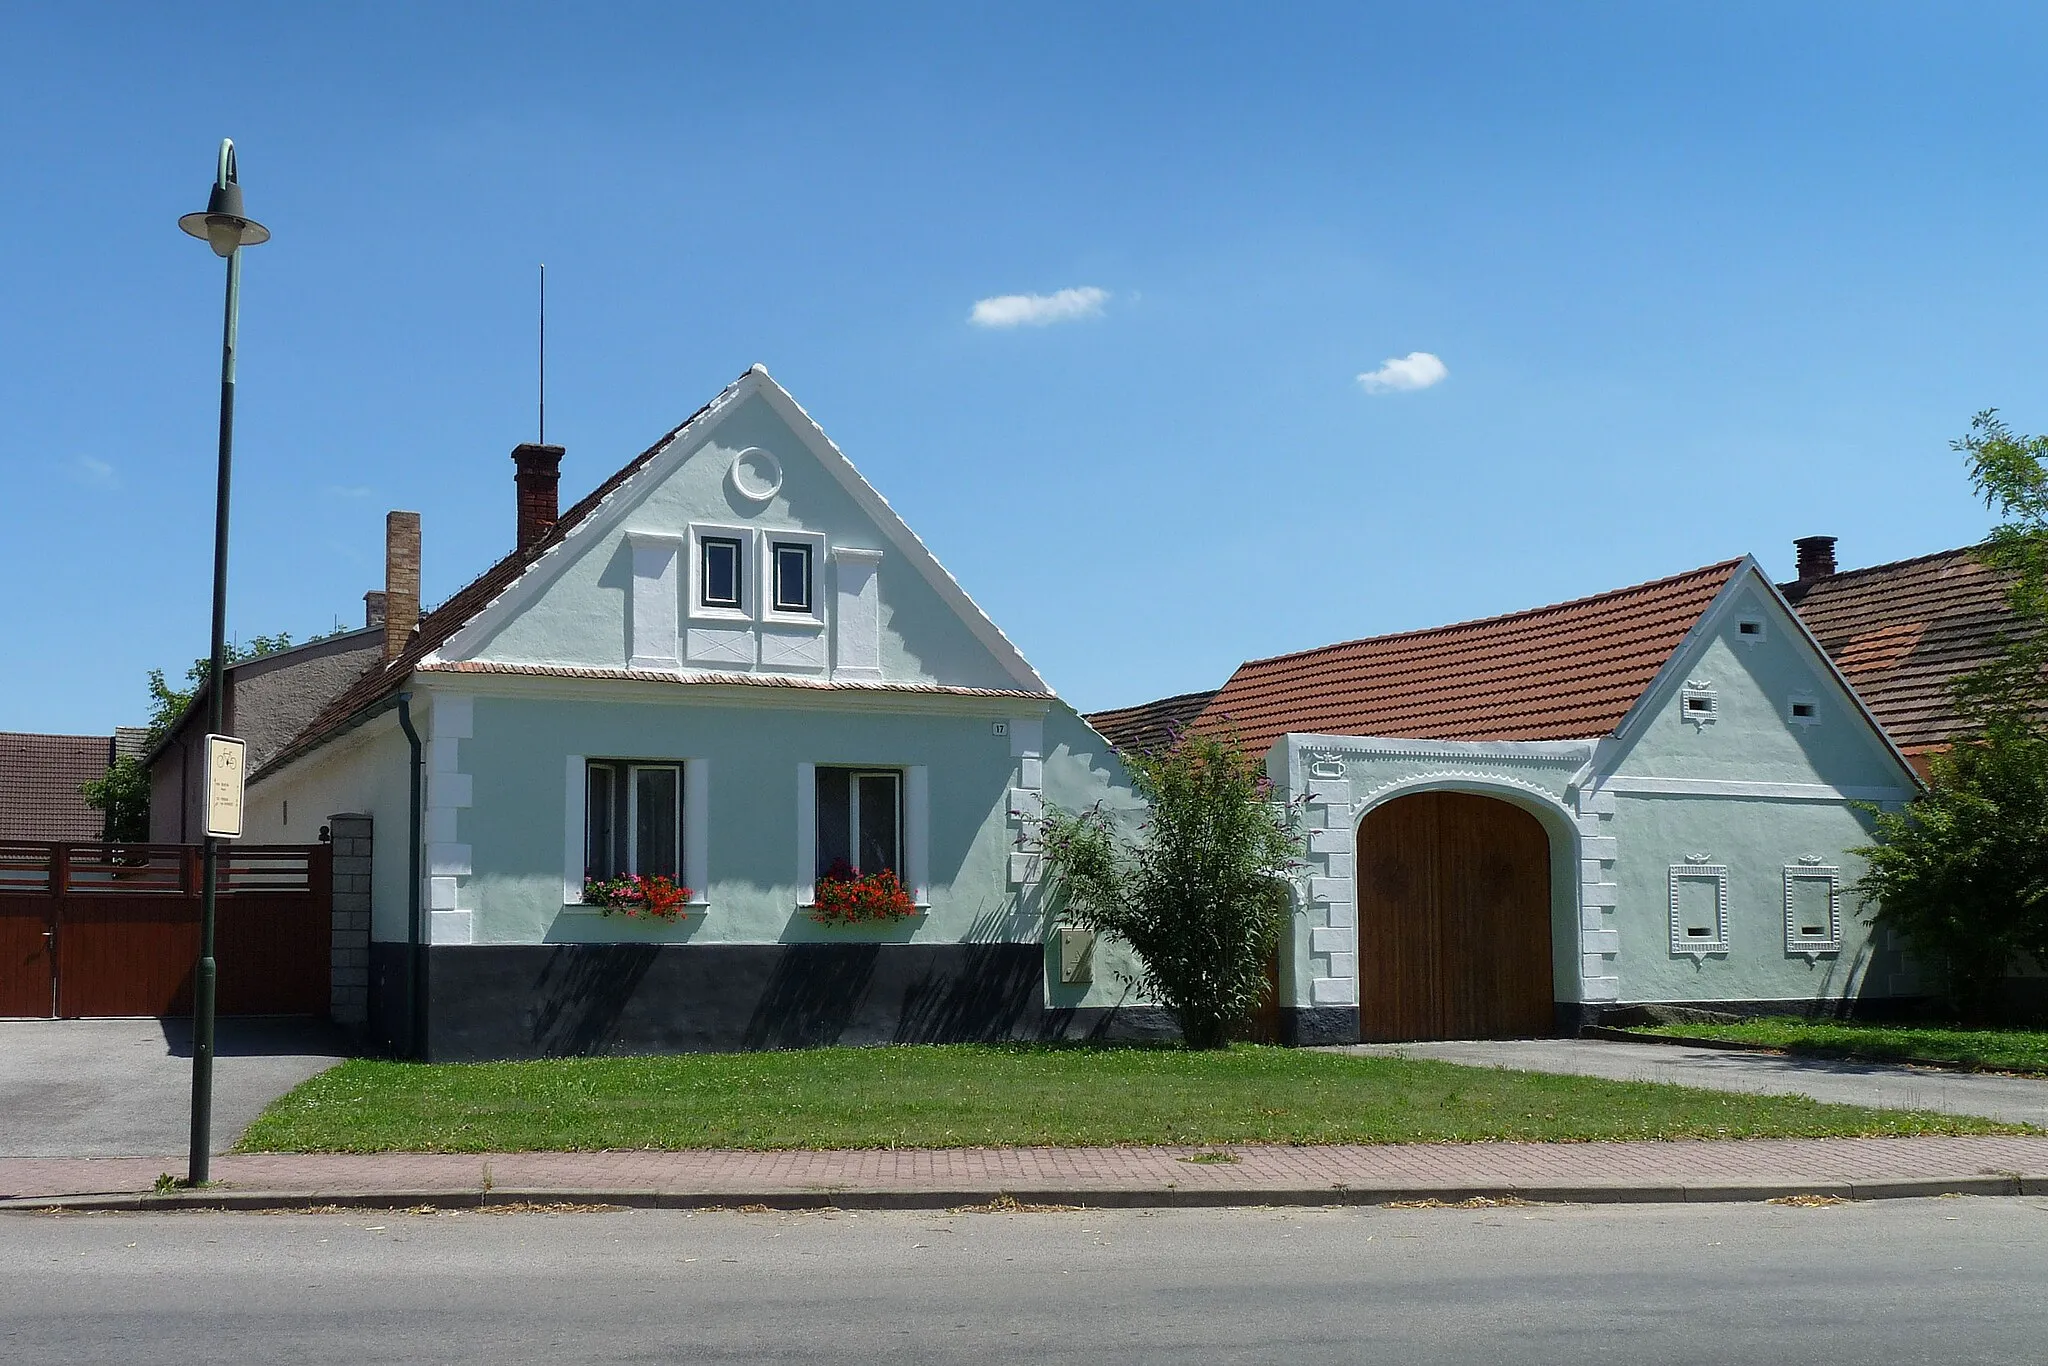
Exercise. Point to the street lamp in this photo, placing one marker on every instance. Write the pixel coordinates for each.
(225, 228)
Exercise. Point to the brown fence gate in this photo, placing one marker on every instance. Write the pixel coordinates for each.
(113, 929)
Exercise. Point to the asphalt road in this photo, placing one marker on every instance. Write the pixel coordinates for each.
(123, 1088)
(1893, 1282)
(2017, 1100)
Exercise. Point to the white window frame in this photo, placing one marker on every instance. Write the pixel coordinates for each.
(1830, 941)
(913, 829)
(815, 543)
(693, 795)
(750, 573)
(1683, 944)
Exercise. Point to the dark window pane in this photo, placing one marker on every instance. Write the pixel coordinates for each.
(880, 826)
(603, 832)
(792, 578)
(835, 843)
(654, 822)
(721, 572)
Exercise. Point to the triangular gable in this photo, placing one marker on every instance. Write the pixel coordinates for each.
(617, 505)
(1712, 623)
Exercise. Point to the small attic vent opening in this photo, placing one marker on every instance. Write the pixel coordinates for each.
(1803, 711)
(1699, 704)
(1749, 630)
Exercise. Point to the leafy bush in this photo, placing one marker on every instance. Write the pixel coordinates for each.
(1201, 894)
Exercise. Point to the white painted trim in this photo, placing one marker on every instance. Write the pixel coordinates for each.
(1719, 787)
(654, 688)
(806, 834)
(1682, 944)
(857, 613)
(1500, 751)
(1810, 945)
(694, 609)
(652, 633)
(809, 540)
(697, 829)
(917, 832)
(575, 824)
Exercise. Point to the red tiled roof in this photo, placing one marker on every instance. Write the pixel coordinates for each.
(1149, 725)
(1904, 632)
(39, 780)
(381, 680)
(1568, 672)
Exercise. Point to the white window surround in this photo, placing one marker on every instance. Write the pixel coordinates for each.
(1698, 704)
(696, 827)
(765, 577)
(917, 826)
(1829, 940)
(1802, 709)
(750, 573)
(1698, 946)
(857, 614)
(1751, 630)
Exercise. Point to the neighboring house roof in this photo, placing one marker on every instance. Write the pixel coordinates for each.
(39, 780)
(1149, 725)
(1902, 633)
(1566, 672)
(381, 682)
(283, 716)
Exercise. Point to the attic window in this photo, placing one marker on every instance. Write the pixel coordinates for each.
(1750, 630)
(1803, 711)
(718, 575)
(792, 577)
(1698, 704)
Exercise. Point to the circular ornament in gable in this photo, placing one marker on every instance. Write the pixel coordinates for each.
(756, 475)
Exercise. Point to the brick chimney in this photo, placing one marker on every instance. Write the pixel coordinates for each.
(1816, 557)
(373, 609)
(401, 580)
(539, 477)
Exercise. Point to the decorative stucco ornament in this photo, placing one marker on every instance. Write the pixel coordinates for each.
(756, 475)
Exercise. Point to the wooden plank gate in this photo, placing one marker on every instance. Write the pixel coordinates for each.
(113, 929)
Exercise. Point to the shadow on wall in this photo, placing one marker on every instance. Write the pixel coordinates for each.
(996, 994)
(584, 991)
(812, 995)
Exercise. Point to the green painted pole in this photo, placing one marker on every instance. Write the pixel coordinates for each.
(198, 1168)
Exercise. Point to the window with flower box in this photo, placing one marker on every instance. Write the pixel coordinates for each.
(633, 819)
(860, 819)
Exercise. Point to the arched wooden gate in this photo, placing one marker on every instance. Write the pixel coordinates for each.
(1453, 920)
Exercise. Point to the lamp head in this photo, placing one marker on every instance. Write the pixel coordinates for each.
(223, 225)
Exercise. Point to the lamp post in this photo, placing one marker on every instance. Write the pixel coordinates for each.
(225, 228)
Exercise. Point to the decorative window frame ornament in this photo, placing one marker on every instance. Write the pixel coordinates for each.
(1805, 700)
(1811, 869)
(694, 608)
(1697, 869)
(1699, 690)
(770, 614)
(1325, 764)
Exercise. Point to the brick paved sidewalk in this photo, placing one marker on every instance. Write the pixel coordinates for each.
(938, 1177)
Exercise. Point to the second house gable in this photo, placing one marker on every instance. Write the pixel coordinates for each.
(747, 546)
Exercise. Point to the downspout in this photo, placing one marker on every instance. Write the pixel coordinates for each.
(415, 958)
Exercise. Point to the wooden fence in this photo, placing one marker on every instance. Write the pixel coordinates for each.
(113, 929)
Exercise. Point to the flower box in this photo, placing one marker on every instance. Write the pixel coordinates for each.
(635, 897)
(844, 897)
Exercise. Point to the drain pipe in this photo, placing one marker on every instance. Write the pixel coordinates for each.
(415, 958)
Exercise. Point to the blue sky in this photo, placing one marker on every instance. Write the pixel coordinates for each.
(1701, 278)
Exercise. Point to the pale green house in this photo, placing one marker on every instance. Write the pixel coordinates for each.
(1516, 825)
(734, 666)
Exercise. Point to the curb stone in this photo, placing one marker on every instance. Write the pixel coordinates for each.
(1087, 1197)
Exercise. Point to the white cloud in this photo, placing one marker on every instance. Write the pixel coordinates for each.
(94, 473)
(1398, 374)
(1036, 310)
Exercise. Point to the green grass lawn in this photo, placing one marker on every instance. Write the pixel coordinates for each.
(929, 1097)
(1993, 1050)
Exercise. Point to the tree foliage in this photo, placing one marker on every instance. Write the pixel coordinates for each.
(121, 794)
(1200, 892)
(1962, 870)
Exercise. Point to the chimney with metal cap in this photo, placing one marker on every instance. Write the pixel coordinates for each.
(539, 477)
